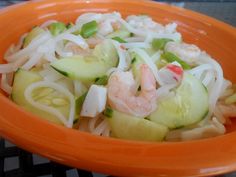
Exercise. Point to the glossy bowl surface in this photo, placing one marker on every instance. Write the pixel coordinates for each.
(107, 155)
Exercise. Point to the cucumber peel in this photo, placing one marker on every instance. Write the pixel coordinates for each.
(189, 105)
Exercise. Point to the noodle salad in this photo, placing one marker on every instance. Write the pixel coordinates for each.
(130, 78)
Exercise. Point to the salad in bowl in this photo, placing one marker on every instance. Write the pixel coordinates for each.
(130, 78)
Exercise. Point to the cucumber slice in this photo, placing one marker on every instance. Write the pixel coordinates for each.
(32, 34)
(133, 128)
(122, 33)
(88, 68)
(135, 65)
(46, 96)
(189, 105)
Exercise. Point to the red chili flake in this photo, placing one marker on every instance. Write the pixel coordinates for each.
(176, 69)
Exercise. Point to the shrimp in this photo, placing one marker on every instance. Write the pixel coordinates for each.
(187, 52)
(76, 50)
(93, 41)
(122, 94)
(144, 22)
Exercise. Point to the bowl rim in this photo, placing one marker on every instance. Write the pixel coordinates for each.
(33, 140)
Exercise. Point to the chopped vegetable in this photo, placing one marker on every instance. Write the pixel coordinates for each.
(57, 28)
(170, 57)
(119, 39)
(79, 102)
(159, 44)
(36, 31)
(108, 112)
(70, 25)
(89, 29)
(101, 80)
(94, 102)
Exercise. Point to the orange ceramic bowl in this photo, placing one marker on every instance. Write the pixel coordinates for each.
(107, 155)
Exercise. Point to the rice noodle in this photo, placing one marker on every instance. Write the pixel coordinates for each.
(5, 84)
(165, 91)
(122, 56)
(30, 48)
(77, 39)
(155, 57)
(50, 74)
(46, 48)
(48, 109)
(79, 88)
(136, 45)
(47, 23)
(149, 62)
(214, 93)
(135, 39)
(32, 61)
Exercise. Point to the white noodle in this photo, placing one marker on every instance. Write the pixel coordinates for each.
(47, 23)
(136, 45)
(48, 109)
(200, 69)
(216, 89)
(92, 123)
(149, 62)
(138, 32)
(10, 67)
(100, 128)
(60, 50)
(30, 48)
(156, 56)
(208, 78)
(20, 43)
(79, 88)
(165, 91)
(32, 61)
(122, 56)
(77, 39)
(5, 84)
(50, 74)
(135, 39)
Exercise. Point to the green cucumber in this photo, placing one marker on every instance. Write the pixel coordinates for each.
(88, 68)
(133, 128)
(36, 31)
(121, 33)
(189, 105)
(46, 96)
(57, 28)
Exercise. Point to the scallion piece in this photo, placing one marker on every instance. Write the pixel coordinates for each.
(108, 112)
(89, 29)
(101, 80)
(159, 44)
(120, 40)
(57, 28)
(170, 57)
(79, 103)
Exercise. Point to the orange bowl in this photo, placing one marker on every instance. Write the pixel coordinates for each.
(107, 155)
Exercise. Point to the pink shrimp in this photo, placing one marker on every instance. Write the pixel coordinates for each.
(122, 95)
